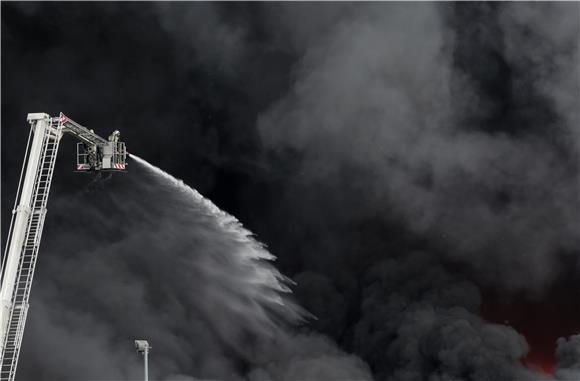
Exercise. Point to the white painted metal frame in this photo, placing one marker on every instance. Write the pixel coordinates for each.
(26, 227)
(24, 237)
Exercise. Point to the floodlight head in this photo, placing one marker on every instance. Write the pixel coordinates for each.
(142, 346)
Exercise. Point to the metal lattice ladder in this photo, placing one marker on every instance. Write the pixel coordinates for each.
(27, 262)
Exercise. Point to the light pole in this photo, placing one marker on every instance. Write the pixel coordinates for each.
(143, 347)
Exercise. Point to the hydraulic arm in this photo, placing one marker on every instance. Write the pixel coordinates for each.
(94, 153)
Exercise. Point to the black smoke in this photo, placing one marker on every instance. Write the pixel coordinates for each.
(151, 259)
(403, 161)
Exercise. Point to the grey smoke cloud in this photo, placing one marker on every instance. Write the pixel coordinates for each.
(541, 42)
(568, 352)
(380, 99)
(146, 257)
(420, 323)
(383, 121)
(202, 36)
(381, 137)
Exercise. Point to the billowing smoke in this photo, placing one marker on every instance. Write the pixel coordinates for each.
(151, 258)
(403, 162)
(381, 111)
(568, 353)
(401, 115)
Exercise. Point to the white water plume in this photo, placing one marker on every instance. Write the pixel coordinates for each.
(145, 256)
(261, 280)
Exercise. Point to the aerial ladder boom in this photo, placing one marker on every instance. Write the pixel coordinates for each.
(94, 153)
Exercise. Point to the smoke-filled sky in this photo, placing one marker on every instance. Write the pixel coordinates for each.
(414, 167)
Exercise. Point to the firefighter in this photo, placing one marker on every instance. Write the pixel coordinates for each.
(114, 137)
(92, 156)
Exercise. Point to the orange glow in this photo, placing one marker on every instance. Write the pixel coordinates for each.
(540, 321)
(541, 363)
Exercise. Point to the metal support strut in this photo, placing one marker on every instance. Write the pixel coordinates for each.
(22, 247)
(143, 347)
(28, 220)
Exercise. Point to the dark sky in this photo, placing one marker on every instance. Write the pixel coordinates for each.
(414, 167)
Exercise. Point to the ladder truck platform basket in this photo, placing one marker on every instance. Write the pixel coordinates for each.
(94, 153)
